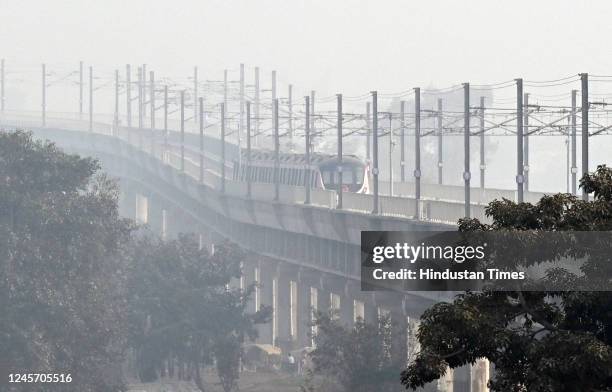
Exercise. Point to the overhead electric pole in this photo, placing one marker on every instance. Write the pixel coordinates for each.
(241, 119)
(526, 140)
(308, 176)
(403, 141)
(375, 150)
(182, 131)
(339, 135)
(247, 171)
(417, 151)
(165, 122)
(466, 147)
(290, 120)
(482, 143)
(391, 144)
(276, 152)
(440, 118)
(520, 179)
(574, 168)
(223, 145)
(368, 134)
(201, 124)
(584, 82)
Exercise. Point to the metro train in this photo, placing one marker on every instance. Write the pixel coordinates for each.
(322, 172)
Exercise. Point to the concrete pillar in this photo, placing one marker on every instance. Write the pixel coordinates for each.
(257, 287)
(412, 343)
(461, 379)
(334, 305)
(479, 375)
(284, 338)
(268, 279)
(142, 209)
(248, 280)
(163, 228)
(275, 310)
(314, 308)
(303, 313)
(445, 383)
(358, 310)
(323, 301)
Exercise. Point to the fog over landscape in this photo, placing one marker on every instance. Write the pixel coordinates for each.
(305, 196)
(348, 47)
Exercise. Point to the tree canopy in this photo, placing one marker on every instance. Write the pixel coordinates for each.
(81, 288)
(362, 358)
(543, 341)
(183, 313)
(61, 240)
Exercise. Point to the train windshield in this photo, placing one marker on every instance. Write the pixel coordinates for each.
(352, 176)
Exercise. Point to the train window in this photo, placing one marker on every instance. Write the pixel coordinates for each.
(328, 177)
(348, 177)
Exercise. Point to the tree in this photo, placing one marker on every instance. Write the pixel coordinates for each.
(61, 265)
(538, 341)
(367, 357)
(183, 315)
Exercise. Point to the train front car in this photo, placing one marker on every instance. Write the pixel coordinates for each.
(355, 174)
(322, 173)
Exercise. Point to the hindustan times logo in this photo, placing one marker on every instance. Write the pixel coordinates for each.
(412, 253)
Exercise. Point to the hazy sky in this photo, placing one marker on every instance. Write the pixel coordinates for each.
(328, 45)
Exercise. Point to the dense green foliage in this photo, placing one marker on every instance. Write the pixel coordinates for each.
(364, 358)
(83, 292)
(538, 341)
(183, 314)
(61, 269)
